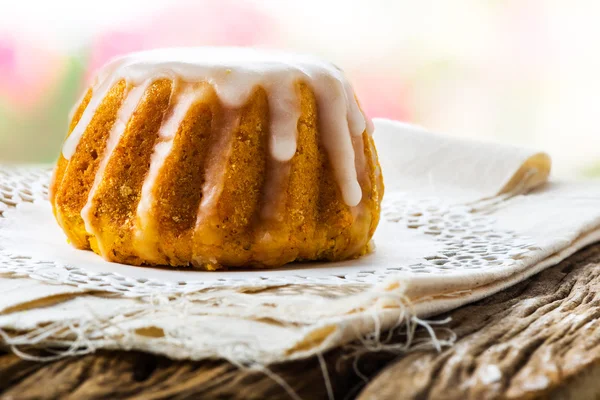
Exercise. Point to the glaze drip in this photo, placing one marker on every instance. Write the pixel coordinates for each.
(235, 73)
(187, 95)
(123, 116)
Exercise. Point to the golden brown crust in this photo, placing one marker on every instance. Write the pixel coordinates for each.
(79, 174)
(245, 224)
(61, 164)
(178, 188)
(376, 177)
(115, 200)
(226, 236)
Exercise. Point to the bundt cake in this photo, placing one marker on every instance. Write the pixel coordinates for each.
(218, 157)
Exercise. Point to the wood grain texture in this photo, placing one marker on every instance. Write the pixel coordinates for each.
(137, 375)
(538, 339)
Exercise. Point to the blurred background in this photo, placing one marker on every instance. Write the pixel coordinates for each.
(516, 71)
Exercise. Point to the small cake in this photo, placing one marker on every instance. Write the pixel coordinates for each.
(218, 157)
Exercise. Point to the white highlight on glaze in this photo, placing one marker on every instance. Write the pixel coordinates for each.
(123, 116)
(235, 73)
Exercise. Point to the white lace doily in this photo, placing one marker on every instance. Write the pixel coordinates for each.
(416, 237)
(446, 238)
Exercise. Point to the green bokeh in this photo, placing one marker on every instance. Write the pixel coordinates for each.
(35, 135)
(592, 171)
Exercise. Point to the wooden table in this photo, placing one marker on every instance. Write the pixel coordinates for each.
(538, 339)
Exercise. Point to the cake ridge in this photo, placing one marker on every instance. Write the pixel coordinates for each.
(210, 163)
(132, 99)
(235, 73)
(185, 95)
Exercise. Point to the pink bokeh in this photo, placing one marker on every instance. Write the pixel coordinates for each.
(27, 72)
(206, 23)
(382, 96)
(231, 23)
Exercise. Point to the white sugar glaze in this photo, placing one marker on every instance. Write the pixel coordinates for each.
(179, 106)
(235, 73)
(125, 112)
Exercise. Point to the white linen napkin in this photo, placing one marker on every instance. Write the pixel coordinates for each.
(461, 220)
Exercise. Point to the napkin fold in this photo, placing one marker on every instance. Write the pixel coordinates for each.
(461, 220)
(428, 164)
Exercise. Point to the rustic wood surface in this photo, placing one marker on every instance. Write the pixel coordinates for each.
(538, 339)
